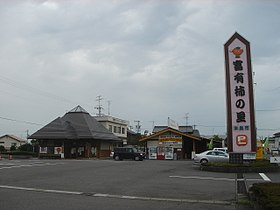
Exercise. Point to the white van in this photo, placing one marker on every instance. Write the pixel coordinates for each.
(224, 149)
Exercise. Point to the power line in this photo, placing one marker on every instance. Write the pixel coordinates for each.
(34, 90)
(268, 110)
(20, 121)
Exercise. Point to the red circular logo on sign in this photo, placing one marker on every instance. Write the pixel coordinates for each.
(241, 140)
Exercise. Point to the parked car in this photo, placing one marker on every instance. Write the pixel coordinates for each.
(121, 153)
(223, 149)
(211, 156)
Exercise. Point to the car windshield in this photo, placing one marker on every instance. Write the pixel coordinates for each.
(135, 150)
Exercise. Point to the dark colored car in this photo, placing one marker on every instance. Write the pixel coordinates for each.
(121, 153)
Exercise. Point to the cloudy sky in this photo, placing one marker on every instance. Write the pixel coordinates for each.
(152, 59)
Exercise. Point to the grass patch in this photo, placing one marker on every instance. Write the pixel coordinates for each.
(266, 195)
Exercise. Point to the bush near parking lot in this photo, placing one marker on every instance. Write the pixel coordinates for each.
(20, 153)
(256, 166)
(266, 196)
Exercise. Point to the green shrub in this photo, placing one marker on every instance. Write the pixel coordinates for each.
(26, 147)
(13, 148)
(267, 195)
(257, 163)
(17, 152)
(2, 149)
(255, 166)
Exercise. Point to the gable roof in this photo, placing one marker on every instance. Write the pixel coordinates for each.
(75, 124)
(168, 129)
(16, 138)
(184, 128)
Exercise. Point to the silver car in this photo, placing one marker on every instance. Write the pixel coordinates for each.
(211, 156)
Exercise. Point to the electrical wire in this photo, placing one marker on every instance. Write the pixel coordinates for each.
(20, 121)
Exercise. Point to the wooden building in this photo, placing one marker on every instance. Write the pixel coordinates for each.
(76, 134)
(169, 143)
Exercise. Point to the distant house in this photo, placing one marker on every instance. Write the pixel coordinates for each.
(76, 134)
(11, 140)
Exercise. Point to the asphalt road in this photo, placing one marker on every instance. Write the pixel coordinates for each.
(108, 184)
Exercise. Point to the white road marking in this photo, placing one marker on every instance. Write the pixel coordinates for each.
(265, 178)
(39, 190)
(30, 165)
(118, 196)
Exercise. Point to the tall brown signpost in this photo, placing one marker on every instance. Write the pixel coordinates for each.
(241, 129)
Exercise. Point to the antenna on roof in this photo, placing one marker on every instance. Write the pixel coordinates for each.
(109, 103)
(187, 118)
(99, 107)
(138, 126)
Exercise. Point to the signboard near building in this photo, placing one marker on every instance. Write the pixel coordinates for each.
(172, 140)
(172, 124)
(240, 100)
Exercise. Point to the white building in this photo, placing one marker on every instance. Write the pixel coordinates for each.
(115, 125)
(275, 147)
(10, 140)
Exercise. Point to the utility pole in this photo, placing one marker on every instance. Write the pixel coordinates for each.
(153, 124)
(138, 126)
(27, 134)
(99, 107)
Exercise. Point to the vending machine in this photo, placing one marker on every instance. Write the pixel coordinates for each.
(168, 153)
(152, 153)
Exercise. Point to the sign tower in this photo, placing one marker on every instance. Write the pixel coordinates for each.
(241, 129)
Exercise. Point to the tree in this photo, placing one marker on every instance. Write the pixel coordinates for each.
(13, 148)
(26, 147)
(217, 141)
(2, 149)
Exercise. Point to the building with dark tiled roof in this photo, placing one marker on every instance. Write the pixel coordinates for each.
(76, 134)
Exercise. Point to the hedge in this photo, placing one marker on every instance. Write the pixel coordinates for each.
(266, 196)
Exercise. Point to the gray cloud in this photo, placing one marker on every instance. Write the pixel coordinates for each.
(152, 59)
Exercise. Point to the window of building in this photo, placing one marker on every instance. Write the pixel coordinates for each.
(110, 128)
(119, 129)
(123, 130)
(115, 129)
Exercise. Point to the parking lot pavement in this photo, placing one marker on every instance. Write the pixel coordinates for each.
(133, 183)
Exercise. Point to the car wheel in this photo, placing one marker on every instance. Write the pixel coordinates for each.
(137, 158)
(203, 161)
(117, 157)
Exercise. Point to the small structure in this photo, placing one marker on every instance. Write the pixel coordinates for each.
(169, 143)
(273, 144)
(76, 134)
(11, 140)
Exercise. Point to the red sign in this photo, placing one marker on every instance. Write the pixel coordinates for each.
(241, 140)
